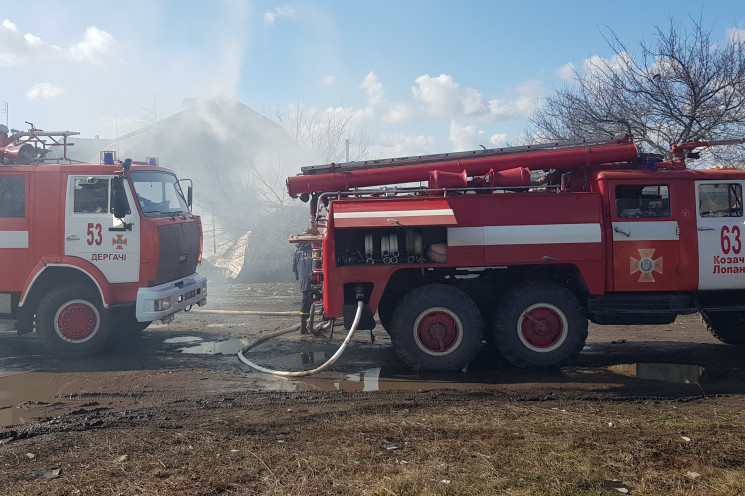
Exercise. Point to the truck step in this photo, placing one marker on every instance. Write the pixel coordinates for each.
(7, 324)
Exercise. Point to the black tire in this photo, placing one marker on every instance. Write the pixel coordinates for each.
(127, 323)
(72, 321)
(385, 315)
(436, 327)
(539, 325)
(727, 327)
(126, 330)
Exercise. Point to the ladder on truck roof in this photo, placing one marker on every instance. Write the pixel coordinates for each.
(473, 154)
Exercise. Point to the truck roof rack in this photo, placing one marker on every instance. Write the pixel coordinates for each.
(31, 147)
(473, 154)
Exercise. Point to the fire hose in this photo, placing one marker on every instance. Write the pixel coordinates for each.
(301, 373)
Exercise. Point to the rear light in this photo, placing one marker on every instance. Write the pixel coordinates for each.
(316, 278)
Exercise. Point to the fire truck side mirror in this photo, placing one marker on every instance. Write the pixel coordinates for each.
(189, 195)
(119, 200)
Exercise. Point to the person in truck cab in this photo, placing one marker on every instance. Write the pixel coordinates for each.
(91, 196)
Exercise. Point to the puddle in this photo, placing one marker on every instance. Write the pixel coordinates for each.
(396, 379)
(385, 379)
(23, 396)
(182, 339)
(666, 372)
(226, 347)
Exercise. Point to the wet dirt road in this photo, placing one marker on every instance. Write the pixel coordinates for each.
(195, 356)
(654, 410)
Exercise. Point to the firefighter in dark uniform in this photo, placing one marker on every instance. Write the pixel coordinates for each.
(301, 266)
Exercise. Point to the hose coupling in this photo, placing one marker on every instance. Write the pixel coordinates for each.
(359, 293)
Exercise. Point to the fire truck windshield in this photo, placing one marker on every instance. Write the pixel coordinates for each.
(158, 193)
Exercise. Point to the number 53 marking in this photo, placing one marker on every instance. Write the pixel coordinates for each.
(95, 235)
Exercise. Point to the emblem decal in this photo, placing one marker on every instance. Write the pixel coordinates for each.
(120, 241)
(646, 265)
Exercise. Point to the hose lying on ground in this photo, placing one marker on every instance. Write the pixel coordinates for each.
(301, 373)
(259, 313)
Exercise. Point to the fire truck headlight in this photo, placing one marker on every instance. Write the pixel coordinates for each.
(162, 304)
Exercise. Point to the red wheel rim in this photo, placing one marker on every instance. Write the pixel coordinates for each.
(542, 327)
(77, 321)
(438, 331)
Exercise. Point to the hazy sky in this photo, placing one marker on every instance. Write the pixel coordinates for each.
(421, 76)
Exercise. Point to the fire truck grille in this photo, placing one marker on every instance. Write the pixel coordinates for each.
(179, 252)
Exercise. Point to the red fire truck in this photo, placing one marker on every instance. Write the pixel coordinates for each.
(91, 250)
(482, 251)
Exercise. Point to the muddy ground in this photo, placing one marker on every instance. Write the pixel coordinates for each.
(644, 410)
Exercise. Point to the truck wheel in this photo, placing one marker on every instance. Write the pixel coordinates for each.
(128, 324)
(72, 322)
(126, 330)
(727, 327)
(436, 327)
(385, 312)
(539, 325)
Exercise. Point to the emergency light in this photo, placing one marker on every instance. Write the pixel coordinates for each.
(108, 157)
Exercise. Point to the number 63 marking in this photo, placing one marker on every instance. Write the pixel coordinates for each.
(730, 239)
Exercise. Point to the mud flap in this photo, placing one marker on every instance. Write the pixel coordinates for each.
(25, 322)
(367, 321)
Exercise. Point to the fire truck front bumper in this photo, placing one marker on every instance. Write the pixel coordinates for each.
(161, 302)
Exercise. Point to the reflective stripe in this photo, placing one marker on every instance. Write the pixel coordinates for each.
(545, 234)
(13, 239)
(393, 213)
(426, 215)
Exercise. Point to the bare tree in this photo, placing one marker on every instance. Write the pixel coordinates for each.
(255, 202)
(325, 132)
(681, 86)
(152, 113)
(249, 195)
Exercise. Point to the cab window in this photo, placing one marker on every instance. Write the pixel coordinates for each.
(635, 201)
(91, 195)
(720, 200)
(12, 196)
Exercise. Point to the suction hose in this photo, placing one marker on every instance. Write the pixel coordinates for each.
(302, 373)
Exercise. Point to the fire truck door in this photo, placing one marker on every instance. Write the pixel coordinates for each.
(646, 238)
(721, 235)
(94, 234)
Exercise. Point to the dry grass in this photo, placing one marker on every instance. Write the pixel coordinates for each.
(445, 444)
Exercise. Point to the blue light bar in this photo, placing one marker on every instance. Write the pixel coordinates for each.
(108, 157)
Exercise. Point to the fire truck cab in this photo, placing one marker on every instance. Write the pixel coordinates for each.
(484, 251)
(92, 251)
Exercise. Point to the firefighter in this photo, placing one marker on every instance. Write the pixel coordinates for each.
(301, 266)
